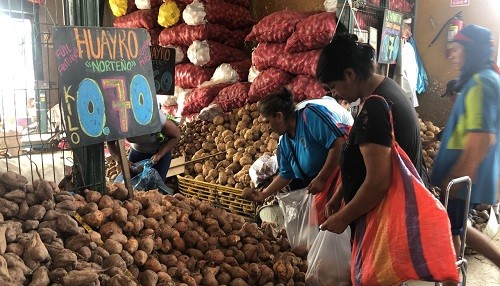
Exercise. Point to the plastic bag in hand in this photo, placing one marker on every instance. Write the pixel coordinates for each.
(148, 179)
(262, 169)
(329, 259)
(301, 222)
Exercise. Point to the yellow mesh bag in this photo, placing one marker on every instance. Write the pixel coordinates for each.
(118, 7)
(169, 14)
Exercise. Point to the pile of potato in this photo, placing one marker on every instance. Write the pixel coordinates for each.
(238, 138)
(430, 143)
(152, 239)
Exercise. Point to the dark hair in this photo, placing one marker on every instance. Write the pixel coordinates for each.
(281, 101)
(345, 52)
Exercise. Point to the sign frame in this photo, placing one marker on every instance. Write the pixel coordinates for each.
(390, 40)
(106, 83)
(163, 61)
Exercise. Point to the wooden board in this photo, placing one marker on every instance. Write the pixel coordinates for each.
(177, 166)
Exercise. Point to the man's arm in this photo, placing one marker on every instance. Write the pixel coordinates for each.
(476, 148)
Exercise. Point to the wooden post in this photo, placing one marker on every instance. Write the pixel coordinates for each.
(125, 168)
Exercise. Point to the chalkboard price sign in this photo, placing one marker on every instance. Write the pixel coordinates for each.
(391, 37)
(163, 60)
(106, 83)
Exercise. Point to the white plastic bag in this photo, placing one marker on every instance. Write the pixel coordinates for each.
(225, 74)
(182, 96)
(179, 53)
(210, 112)
(199, 53)
(262, 169)
(194, 14)
(253, 73)
(301, 222)
(329, 259)
(330, 5)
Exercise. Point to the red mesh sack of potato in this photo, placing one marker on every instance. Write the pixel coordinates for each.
(211, 54)
(305, 87)
(122, 7)
(242, 68)
(217, 11)
(191, 76)
(233, 96)
(366, 20)
(276, 27)
(185, 35)
(267, 82)
(244, 3)
(146, 19)
(147, 4)
(154, 35)
(314, 32)
(266, 55)
(299, 63)
(201, 97)
(236, 38)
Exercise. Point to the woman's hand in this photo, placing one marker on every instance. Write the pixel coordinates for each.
(316, 186)
(335, 223)
(155, 158)
(258, 197)
(333, 205)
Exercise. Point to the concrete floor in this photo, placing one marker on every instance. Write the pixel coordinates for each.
(481, 271)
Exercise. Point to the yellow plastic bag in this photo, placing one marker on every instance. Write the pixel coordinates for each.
(169, 14)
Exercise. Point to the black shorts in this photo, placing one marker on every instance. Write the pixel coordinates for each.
(456, 209)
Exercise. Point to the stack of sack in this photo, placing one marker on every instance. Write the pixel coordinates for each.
(212, 33)
(401, 5)
(208, 36)
(289, 45)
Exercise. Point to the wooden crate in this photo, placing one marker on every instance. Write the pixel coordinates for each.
(223, 197)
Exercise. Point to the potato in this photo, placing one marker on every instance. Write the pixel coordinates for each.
(12, 180)
(153, 264)
(65, 258)
(14, 261)
(238, 282)
(178, 243)
(148, 278)
(216, 256)
(84, 277)
(114, 260)
(224, 278)
(113, 246)
(8, 208)
(67, 224)
(140, 257)
(40, 277)
(146, 244)
(121, 280)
